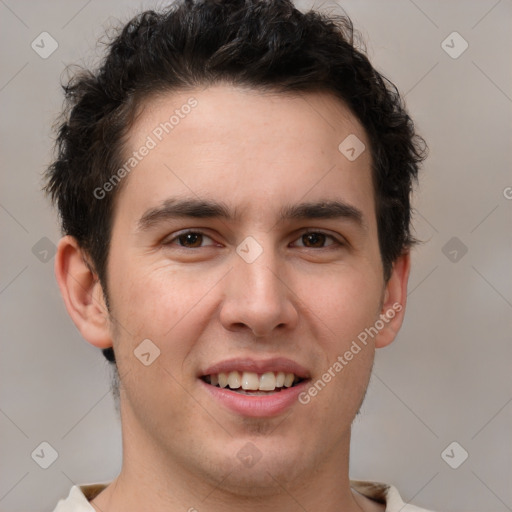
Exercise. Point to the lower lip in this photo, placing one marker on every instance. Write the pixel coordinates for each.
(257, 406)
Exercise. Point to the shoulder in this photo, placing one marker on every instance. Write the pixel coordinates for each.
(79, 497)
(384, 494)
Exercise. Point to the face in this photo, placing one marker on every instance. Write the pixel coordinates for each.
(244, 247)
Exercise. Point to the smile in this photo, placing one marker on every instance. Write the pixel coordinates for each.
(252, 383)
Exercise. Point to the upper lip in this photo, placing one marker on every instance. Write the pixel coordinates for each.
(275, 364)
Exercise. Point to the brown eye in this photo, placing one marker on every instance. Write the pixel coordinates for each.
(313, 239)
(189, 240)
(317, 240)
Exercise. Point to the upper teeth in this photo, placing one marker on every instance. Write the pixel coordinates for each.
(252, 381)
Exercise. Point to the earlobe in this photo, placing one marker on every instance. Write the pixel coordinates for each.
(395, 298)
(82, 293)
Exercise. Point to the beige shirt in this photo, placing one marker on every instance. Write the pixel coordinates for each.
(79, 497)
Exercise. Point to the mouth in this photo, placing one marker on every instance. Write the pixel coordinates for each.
(252, 383)
(257, 388)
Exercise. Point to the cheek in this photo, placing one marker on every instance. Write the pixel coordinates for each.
(342, 303)
(162, 304)
(341, 309)
(165, 307)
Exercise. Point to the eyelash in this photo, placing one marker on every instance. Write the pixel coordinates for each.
(198, 232)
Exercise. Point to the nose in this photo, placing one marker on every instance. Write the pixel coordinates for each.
(258, 297)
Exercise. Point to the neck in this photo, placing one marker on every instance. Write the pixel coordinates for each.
(152, 476)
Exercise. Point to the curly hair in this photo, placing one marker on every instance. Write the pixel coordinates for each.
(256, 43)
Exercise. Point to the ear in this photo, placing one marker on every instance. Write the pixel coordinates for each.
(393, 304)
(82, 293)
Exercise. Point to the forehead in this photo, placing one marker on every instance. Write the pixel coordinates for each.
(246, 147)
(204, 114)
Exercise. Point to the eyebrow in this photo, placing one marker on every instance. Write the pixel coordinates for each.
(205, 209)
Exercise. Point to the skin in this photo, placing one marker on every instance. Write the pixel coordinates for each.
(255, 152)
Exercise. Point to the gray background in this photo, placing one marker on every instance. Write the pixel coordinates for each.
(447, 376)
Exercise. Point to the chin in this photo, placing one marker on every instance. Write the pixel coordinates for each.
(258, 466)
(260, 480)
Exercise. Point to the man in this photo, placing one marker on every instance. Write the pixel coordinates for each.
(234, 186)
